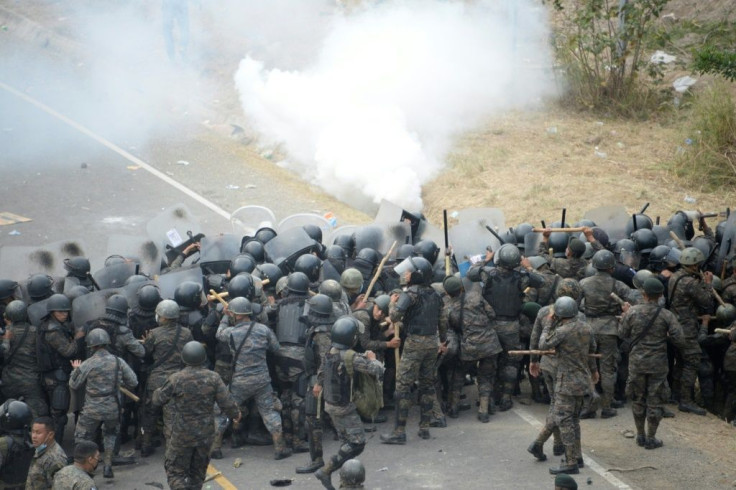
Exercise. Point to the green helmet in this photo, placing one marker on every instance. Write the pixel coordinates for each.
(240, 306)
(352, 474)
(351, 279)
(537, 261)
(603, 260)
(691, 256)
(726, 314)
(97, 337)
(653, 287)
(344, 332)
(16, 311)
(168, 309)
(530, 310)
(565, 307)
(453, 285)
(507, 256)
(193, 353)
(717, 284)
(383, 301)
(640, 277)
(332, 289)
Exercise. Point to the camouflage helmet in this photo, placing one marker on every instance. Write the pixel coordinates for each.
(691, 256)
(569, 287)
(507, 256)
(332, 289)
(240, 306)
(351, 279)
(320, 305)
(168, 309)
(603, 260)
(193, 353)
(16, 311)
(641, 276)
(58, 302)
(726, 314)
(344, 332)
(565, 307)
(97, 337)
(383, 301)
(717, 284)
(352, 474)
(453, 285)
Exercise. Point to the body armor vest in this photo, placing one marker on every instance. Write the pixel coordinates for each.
(503, 292)
(17, 462)
(289, 329)
(423, 317)
(337, 381)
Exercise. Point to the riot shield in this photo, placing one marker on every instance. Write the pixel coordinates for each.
(470, 239)
(612, 219)
(492, 217)
(172, 227)
(248, 219)
(399, 233)
(389, 213)
(662, 233)
(531, 244)
(131, 291)
(168, 281)
(301, 219)
(287, 246)
(90, 306)
(36, 312)
(728, 243)
(369, 236)
(114, 276)
(20, 262)
(139, 249)
(215, 253)
(343, 230)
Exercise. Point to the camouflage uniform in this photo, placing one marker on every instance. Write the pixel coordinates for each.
(600, 312)
(564, 266)
(122, 340)
(728, 292)
(647, 384)
(16, 453)
(73, 478)
(44, 466)
(545, 294)
(190, 394)
(729, 369)
(548, 368)
(572, 340)
(688, 296)
(102, 375)
(371, 337)
(164, 345)
(20, 376)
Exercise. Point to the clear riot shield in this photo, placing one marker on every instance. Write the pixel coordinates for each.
(139, 249)
(131, 291)
(395, 232)
(172, 227)
(493, 217)
(470, 239)
(728, 243)
(531, 244)
(90, 306)
(20, 262)
(369, 236)
(389, 212)
(168, 281)
(36, 312)
(114, 276)
(301, 219)
(215, 253)
(245, 221)
(287, 246)
(662, 233)
(343, 230)
(612, 219)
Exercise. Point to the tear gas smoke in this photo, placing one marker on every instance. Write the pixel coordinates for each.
(373, 114)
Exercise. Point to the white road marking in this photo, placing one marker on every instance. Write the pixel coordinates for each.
(589, 462)
(131, 158)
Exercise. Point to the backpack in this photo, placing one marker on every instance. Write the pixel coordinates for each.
(366, 391)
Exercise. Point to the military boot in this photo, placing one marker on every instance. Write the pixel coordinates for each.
(506, 402)
(536, 449)
(324, 474)
(483, 403)
(569, 466)
(639, 421)
(107, 468)
(281, 451)
(315, 452)
(558, 449)
(216, 448)
(453, 410)
(537, 395)
(688, 405)
(146, 445)
(398, 436)
(652, 426)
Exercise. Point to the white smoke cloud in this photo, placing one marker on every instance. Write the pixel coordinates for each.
(373, 114)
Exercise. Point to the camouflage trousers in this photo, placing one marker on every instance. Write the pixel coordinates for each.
(608, 348)
(508, 366)
(648, 392)
(88, 424)
(225, 370)
(268, 405)
(566, 415)
(417, 365)
(550, 425)
(685, 371)
(186, 467)
(350, 431)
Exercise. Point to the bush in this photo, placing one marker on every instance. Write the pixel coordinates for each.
(711, 59)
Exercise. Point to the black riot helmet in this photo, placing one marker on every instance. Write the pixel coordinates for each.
(265, 235)
(427, 249)
(601, 236)
(242, 263)
(15, 417)
(603, 260)
(320, 305)
(336, 256)
(310, 265)
(645, 240)
(682, 226)
(270, 272)
(367, 257)
(189, 294)
(344, 332)
(508, 236)
(241, 286)
(404, 251)
(16, 311)
(638, 222)
(7, 288)
(657, 258)
(149, 297)
(508, 256)
(136, 278)
(558, 243)
(255, 249)
(58, 302)
(117, 304)
(193, 353)
(625, 245)
(40, 286)
(521, 231)
(346, 242)
(314, 232)
(77, 266)
(298, 283)
(705, 245)
(423, 272)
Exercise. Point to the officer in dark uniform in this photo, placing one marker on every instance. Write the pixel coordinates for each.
(16, 450)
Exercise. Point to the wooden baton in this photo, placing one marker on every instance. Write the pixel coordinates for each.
(559, 230)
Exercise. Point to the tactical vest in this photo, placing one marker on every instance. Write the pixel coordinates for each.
(503, 292)
(311, 356)
(48, 358)
(193, 320)
(16, 462)
(111, 328)
(598, 301)
(337, 381)
(289, 329)
(423, 317)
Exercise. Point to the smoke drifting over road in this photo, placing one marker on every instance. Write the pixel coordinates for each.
(373, 111)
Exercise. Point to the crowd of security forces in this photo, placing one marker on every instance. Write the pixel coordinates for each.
(276, 320)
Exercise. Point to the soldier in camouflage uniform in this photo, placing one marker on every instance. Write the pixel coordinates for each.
(249, 342)
(601, 311)
(545, 294)
(20, 370)
(472, 316)
(573, 341)
(572, 264)
(689, 295)
(728, 291)
(78, 476)
(163, 345)
(420, 309)
(647, 327)
(115, 323)
(102, 375)
(48, 458)
(333, 376)
(191, 393)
